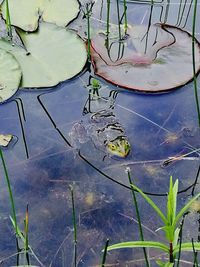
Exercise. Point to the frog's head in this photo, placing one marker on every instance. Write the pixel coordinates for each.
(120, 146)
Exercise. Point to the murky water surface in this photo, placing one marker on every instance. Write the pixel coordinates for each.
(42, 164)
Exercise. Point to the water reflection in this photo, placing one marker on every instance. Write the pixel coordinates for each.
(158, 127)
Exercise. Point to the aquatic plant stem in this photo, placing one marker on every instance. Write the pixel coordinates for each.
(125, 17)
(138, 218)
(8, 21)
(26, 246)
(10, 192)
(193, 60)
(118, 16)
(108, 18)
(104, 254)
(180, 241)
(74, 225)
(195, 262)
(88, 31)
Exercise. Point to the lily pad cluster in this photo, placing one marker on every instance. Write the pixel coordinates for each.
(149, 59)
(49, 53)
(25, 14)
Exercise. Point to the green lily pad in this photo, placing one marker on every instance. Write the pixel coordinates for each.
(60, 12)
(53, 54)
(10, 75)
(25, 13)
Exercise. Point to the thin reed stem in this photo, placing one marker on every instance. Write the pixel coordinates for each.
(10, 192)
(104, 254)
(195, 262)
(193, 60)
(108, 18)
(118, 16)
(74, 225)
(26, 247)
(139, 220)
(8, 21)
(180, 240)
(88, 31)
(125, 17)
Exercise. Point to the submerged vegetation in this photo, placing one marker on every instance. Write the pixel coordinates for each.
(56, 41)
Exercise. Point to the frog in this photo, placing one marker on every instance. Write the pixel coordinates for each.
(101, 126)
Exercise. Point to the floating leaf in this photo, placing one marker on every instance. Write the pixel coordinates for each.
(60, 12)
(25, 13)
(10, 75)
(152, 59)
(53, 54)
(5, 139)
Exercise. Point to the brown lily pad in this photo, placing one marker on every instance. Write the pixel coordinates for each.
(5, 139)
(154, 59)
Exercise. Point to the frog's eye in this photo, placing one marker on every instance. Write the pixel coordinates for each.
(112, 146)
(126, 143)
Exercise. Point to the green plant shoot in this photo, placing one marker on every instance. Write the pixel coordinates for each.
(170, 227)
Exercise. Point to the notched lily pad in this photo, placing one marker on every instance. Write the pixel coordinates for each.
(23, 13)
(53, 54)
(26, 13)
(10, 75)
(152, 59)
(60, 12)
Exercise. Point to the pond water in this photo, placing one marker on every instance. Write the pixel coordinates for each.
(43, 163)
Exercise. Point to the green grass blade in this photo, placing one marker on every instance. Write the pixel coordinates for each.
(20, 235)
(10, 192)
(175, 192)
(170, 202)
(153, 205)
(188, 247)
(184, 209)
(139, 244)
